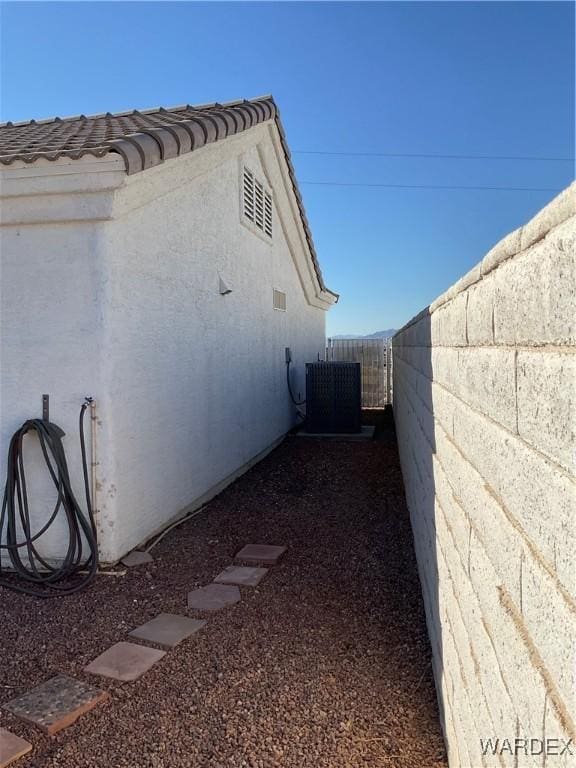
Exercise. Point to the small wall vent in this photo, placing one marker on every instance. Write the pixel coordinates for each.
(279, 300)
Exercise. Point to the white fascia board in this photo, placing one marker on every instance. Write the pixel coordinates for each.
(54, 191)
(319, 298)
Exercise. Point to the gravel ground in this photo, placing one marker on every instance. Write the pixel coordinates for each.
(325, 665)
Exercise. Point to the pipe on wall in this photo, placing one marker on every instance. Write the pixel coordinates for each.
(93, 462)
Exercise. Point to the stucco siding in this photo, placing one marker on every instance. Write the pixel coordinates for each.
(484, 404)
(51, 334)
(190, 384)
(197, 379)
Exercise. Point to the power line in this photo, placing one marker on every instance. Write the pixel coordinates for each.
(430, 186)
(422, 155)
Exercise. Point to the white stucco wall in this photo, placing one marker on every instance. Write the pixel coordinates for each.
(52, 298)
(198, 386)
(190, 384)
(485, 411)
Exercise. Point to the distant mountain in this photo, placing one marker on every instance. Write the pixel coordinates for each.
(382, 334)
(378, 335)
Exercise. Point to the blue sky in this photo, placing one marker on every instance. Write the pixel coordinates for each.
(472, 78)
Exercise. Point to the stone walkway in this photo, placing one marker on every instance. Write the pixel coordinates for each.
(220, 652)
(60, 701)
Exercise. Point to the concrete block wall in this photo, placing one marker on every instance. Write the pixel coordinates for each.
(485, 411)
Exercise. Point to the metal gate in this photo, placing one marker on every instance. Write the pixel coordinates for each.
(373, 356)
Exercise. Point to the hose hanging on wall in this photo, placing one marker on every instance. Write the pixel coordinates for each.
(294, 400)
(36, 576)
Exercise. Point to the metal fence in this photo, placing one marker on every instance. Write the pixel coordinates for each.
(373, 355)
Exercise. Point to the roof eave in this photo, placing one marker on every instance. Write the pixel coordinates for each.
(205, 124)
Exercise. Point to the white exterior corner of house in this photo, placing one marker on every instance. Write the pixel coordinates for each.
(111, 286)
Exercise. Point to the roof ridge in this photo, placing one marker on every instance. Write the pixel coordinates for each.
(126, 113)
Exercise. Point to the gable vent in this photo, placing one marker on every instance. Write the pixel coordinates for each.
(257, 202)
(248, 195)
(268, 214)
(279, 300)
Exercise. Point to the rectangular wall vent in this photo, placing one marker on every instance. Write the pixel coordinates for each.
(279, 300)
(257, 203)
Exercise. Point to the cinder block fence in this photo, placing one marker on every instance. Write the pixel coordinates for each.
(485, 410)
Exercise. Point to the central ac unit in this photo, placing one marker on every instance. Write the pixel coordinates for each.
(333, 397)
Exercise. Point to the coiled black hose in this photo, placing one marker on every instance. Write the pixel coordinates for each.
(37, 577)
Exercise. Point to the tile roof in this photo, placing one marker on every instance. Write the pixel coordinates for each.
(145, 138)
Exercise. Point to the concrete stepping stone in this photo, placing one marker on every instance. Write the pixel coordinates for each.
(259, 554)
(56, 704)
(167, 629)
(242, 575)
(125, 661)
(136, 557)
(213, 597)
(12, 747)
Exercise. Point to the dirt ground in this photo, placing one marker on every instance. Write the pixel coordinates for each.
(325, 665)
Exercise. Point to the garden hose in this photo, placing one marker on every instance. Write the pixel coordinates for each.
(34, 575)
(294, 400)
